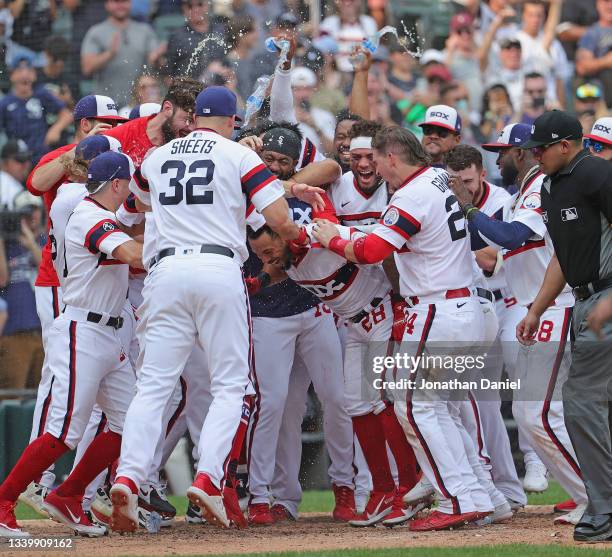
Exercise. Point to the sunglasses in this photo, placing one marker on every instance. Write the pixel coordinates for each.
(442, 133)
(588, 91)
(539, 151)
(595, 146)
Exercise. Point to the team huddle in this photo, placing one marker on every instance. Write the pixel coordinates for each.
(195, 283)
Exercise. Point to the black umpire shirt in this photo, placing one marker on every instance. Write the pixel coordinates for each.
(577, 210)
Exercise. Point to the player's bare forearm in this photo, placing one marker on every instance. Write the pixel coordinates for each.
(553, 284)
(45, 177)
(130, 253)
(277, 218)
(486, 258)
(318, 173)
(392, 273)
(142, 207)
(135, 231)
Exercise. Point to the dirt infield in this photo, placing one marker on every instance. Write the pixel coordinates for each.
(314, 531)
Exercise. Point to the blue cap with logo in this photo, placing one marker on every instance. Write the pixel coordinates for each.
(99, 107)
(216, 101)
(90, 147)
(110, 165)
(513, 135)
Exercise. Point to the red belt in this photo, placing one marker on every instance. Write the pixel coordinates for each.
(450, 294)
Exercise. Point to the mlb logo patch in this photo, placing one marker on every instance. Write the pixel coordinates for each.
(569, 214)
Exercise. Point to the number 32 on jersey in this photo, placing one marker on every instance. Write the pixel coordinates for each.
(199, 173)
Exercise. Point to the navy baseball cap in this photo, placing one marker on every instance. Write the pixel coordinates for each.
(93, 146)
(216, 101)
(553, 126)
(144, 109)
(110, 165)
(99, 107)
(513, 135)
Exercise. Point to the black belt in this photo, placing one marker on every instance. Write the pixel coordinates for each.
(585, 291)
(204, 248)
(364, 312)
(114, 322)
(498, 294)
(484, 293)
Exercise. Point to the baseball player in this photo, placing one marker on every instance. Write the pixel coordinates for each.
(441, 132)
(526, 252)
(509, 313)
(293, 322)
(423, 227)
(179, 181)
(85, 353)
(599, 141)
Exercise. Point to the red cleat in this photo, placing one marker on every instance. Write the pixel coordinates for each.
(436, 520)
(69, 511)
(379, 505)
(345, 503)
(260, 515)
(8, 523)
(232, 508)
(281, 514)
(205, 495)
(124, 497)
(565, 506)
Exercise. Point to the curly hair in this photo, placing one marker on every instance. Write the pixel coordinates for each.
(365, 128)
(74, 167)
(183, 91)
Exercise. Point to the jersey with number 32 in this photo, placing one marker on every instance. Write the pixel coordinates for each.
(424, 222)
(199, 187)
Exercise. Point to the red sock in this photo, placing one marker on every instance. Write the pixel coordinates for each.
(401, 449)
(104, 449)
(35, 459)
(371, 436)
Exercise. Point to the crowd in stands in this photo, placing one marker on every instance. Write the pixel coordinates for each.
(499, 61)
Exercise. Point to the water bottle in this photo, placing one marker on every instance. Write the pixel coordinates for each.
(153, 524)
(371, 43)
(256, 98)
(278, 45)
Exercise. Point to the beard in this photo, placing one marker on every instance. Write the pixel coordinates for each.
(509, 174)
(167, 132)
(286, 175)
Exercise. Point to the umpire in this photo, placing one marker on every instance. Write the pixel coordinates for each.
(577, 210)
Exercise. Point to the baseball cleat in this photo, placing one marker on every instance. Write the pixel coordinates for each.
(260, 515)
(379, 506)
(535, 480)
(125, 507)
(401, 514)
(69, 511)
(152, 498)
(34, 496)
(572, 517)
(8, 523)
(565, 506)
(232, 508)
(422, 491)
(436, 520)
(101, 506)
(501, 513)
(280, 513)
(193, 514)
(345, 509)
(204, 494)
(514, 505)
(242, 482)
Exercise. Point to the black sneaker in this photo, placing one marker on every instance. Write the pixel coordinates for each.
(193, 514)
(153, 499)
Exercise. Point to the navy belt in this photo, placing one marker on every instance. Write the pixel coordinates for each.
(585, 291)
(364, 312)
(484, 293)
(204, 248)
(498, 294)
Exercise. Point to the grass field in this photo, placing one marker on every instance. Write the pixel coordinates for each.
(323, 501)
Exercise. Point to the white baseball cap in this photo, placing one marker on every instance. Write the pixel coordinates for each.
(432, 55)
(303, 77)
(443, 116)
(602, 131)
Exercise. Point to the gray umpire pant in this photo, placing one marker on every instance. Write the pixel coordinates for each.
(587, 402)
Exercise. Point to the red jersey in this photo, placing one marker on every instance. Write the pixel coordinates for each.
(133, 138)
(46, 272)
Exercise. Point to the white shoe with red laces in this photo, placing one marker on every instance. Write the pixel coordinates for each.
(378, 507)
(69, 511)
(8, 523)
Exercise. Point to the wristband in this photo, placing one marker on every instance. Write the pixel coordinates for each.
(397, 298)
(467, 209)
(337, 245)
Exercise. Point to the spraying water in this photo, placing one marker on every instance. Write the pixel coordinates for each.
(198, 49)
(372, 43)
(256, 98)
(403, 41)
(276, 45)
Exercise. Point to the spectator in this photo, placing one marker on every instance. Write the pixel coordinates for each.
(401, 76)
(497, 112)
(242, 39)
(55, 75)
(221, 72)
(463, 57)
(14, 169)
(541, 49)
(84, 14)
(21, 350)
(381, 108)
(576, 17)
(32, 23)
(319, 123)
(329, 95)
(593, 58)
(492, 10)
(348, 28)
(534, 98)
(589, 104)
(146, 89)
(263, 13)
(25, 112)
(183, 42)
(117, 50)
